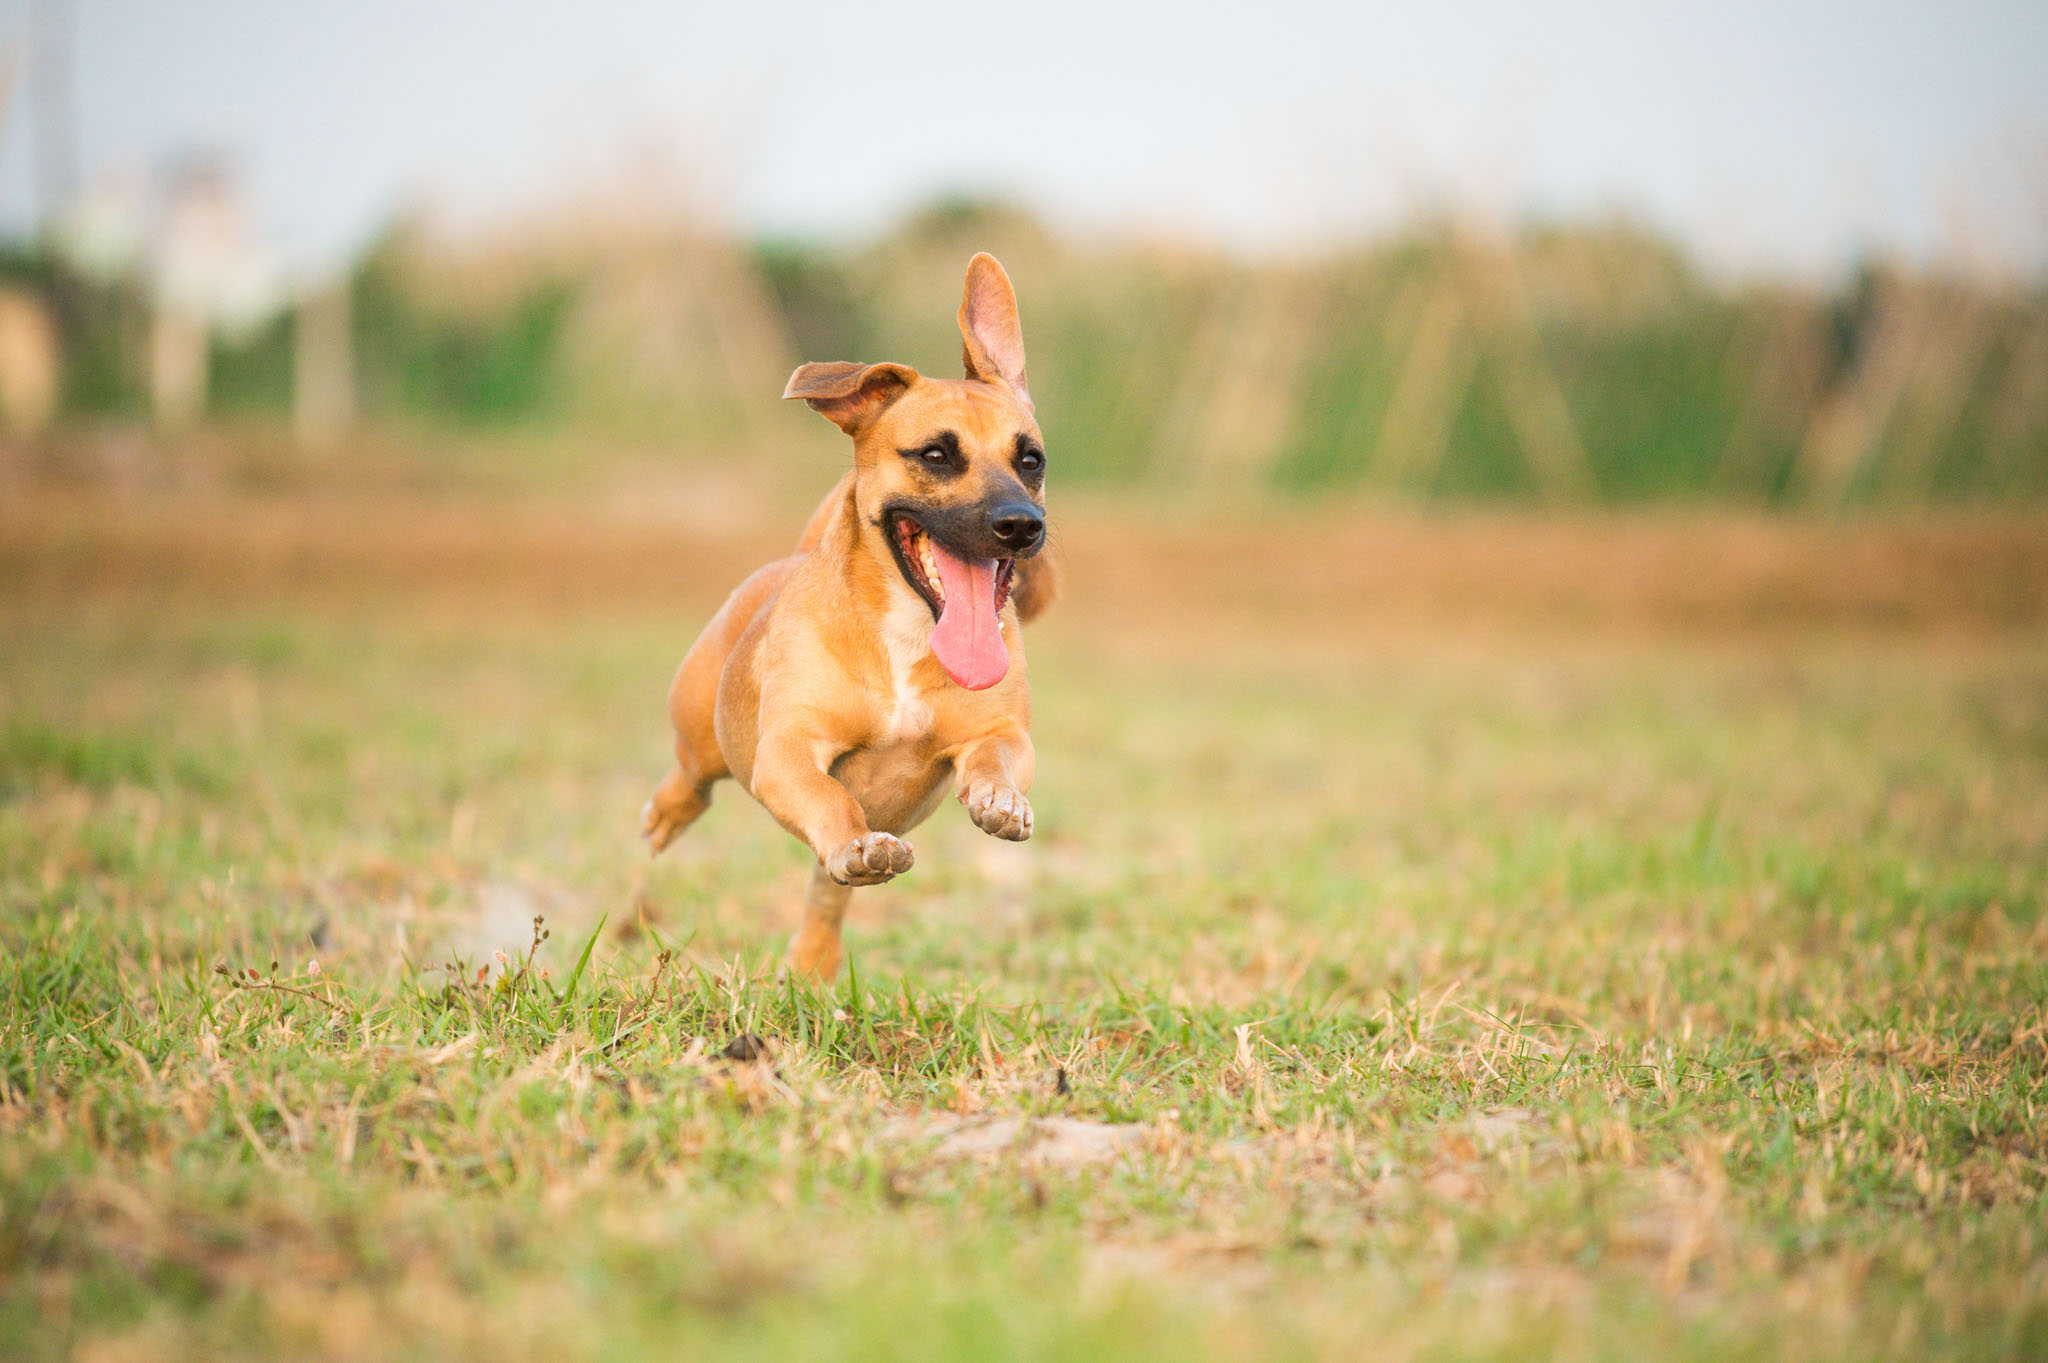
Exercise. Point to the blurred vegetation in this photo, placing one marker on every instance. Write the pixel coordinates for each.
(497, 364)
(1579, 363)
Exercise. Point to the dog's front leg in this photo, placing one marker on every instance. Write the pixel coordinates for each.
(792, 780)
(994, 772)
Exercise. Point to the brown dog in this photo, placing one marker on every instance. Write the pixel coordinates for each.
(844, 686)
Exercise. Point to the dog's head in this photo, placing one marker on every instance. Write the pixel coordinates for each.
(949, 474)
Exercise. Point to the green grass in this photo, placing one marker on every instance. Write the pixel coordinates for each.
(1558, 998)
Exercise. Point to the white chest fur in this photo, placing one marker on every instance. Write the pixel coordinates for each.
(906, 640)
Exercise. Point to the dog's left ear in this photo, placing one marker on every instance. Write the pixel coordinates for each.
(850, 395)
(991, 341)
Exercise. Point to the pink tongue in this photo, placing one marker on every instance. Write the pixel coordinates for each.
(968, 640)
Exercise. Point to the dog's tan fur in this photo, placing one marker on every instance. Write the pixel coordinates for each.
(814, 686)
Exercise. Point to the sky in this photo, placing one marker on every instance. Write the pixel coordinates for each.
(1781, 138)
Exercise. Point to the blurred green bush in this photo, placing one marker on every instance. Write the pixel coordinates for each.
(1582, 363)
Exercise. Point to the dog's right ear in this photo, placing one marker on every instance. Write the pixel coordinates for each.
(850, 395)
(991, 341)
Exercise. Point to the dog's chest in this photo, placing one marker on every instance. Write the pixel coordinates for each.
(906, 639)
(897, 774)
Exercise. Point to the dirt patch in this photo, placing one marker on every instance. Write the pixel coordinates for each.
(1039, 1142)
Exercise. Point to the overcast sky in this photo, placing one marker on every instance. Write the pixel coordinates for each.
(1784, 136)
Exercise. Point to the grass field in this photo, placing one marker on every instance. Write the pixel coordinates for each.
(1653, 965)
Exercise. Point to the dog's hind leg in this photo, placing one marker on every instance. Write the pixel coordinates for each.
(693, 710)
(678, 800)
(815, 951)
(686, 793)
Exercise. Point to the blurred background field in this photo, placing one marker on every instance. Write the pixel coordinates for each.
(1543, 793)
(1572, 364)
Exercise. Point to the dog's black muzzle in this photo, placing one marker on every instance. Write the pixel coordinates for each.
(978, 530)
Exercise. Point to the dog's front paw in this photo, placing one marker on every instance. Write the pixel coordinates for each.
(869, 860)
(999, 811)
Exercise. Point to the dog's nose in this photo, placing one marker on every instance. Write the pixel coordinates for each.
(1017, 525)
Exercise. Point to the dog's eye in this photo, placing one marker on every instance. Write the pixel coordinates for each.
(935, 455)
(1031, 461)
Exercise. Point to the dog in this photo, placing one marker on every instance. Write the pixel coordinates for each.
(846, 686)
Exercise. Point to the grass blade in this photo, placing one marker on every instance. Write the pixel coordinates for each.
(576, 975)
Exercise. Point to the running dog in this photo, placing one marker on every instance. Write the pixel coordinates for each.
(848, 686)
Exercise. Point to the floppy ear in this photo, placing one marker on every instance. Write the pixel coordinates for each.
(1035, 584)
(850, 395)
(991, 341)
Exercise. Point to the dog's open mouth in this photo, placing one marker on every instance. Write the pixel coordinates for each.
(918, 555)
(966, 597)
